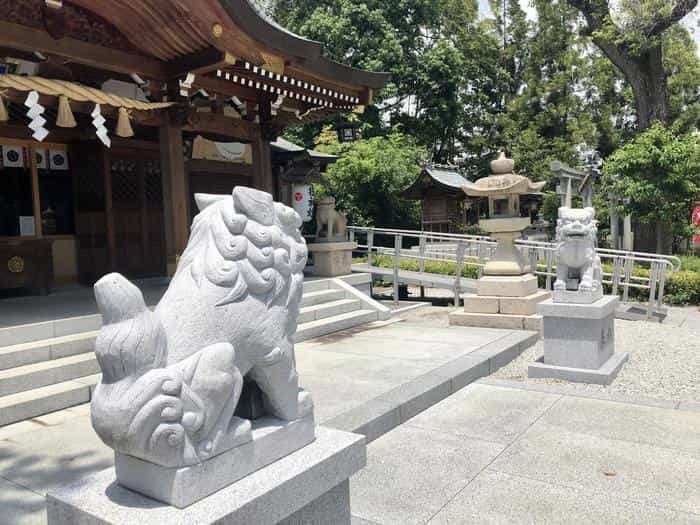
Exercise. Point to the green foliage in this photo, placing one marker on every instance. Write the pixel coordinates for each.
(657, 176)
(463, 88)
(550, 209)
(682, 67)
(368, 178)
(683, 288)
(549, 117)
(690, 263)
(413, 265)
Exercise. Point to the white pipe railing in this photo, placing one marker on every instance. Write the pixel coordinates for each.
(475, 250)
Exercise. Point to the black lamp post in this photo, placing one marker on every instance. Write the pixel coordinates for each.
(347, 131)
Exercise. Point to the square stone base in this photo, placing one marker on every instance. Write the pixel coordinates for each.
(332, 259)
(483, 304)
(504, 321)
(571, 297)
(578, 335)
(307, 486)
(180, 487)
(605, 375)
(507, 286)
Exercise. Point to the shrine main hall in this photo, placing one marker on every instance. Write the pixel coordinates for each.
(113, 114)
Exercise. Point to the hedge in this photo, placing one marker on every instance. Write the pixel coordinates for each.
(682, 288)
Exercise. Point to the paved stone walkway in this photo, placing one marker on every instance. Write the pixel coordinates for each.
(493, 452)
(343, 372)
(505, 455)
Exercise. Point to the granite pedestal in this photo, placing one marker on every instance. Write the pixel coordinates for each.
(579, 342)
(332, 259)
(271, 440)
(307, 486)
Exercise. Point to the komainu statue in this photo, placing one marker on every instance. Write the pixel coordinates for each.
(172, 378)
(331, 225)
(578, 267)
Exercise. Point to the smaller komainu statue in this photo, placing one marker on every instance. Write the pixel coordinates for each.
(578, 267)
(331, 225)
(172, 378)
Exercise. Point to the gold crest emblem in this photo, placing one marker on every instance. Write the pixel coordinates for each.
(15, 264)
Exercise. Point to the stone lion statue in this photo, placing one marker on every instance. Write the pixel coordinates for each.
(172, 378)
(578, 268)
(331, 225)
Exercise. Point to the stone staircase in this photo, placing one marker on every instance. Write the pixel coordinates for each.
(51, 365)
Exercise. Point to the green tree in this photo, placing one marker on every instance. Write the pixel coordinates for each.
(656, 176)
(368, 178)
(548, 117)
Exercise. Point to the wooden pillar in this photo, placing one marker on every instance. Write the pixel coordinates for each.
(110, 228)
(262, 165)
(36, 195)
(175, 194)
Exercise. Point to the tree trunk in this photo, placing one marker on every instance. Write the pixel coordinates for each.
(646, 76)
(650, 89)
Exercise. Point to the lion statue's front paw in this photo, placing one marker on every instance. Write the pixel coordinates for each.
(559, 285)
(586, 286)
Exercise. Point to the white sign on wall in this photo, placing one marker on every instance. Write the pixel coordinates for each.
(303, 195)
(58, 159)
(13, 156)
(27, 226)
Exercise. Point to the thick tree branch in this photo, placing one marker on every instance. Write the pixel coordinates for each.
(594, 11)
(682, 8)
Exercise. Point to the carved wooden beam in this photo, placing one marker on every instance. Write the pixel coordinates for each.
(201, 62)
(27, 39)
(216, 125)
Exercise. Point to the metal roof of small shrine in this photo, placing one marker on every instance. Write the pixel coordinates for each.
(284, 146)
(446, 178)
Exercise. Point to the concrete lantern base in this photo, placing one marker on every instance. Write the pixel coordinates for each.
(332, 259)
(503, 301)
(307, 486)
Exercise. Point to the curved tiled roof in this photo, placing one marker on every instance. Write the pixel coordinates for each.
(245, 14)
(447, 177)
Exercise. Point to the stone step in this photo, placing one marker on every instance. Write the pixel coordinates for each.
(324, 310)
(47, 349)
(40, 401)
(333, 324)
(40, 332)
(73, 385)
(27, 333)
(316, 285)
(322, 296)
(37, 375)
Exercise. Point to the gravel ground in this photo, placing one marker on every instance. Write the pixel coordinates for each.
(664, 362)
(664, 358)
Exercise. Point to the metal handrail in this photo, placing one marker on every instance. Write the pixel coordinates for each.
(475, 250)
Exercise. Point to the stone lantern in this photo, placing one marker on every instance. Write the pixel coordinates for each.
(503, 189)
(506, 294)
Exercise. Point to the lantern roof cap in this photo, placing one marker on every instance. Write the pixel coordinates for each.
(503, 181)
